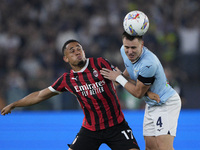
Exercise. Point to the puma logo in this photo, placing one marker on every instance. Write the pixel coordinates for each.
(74, 78)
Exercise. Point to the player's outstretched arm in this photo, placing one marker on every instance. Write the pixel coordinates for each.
(30, 99)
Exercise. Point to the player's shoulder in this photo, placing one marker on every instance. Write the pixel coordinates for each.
(66, 74)
(147, 52)
(96, 58)
(101, 59)
(62, 77)
(148, 60)
(122, 49)
(104, 63)
(149, 57)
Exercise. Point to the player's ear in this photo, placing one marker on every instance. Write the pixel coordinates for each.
(84, 53)
(65, 59)
(142, 43)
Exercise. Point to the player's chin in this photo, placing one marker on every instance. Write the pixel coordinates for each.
(81, 62)
(132, 59)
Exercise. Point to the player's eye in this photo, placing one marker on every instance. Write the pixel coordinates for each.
(72, 51)
(133, 47)
(126, 47)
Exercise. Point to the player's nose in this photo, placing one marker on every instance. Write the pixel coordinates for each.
(130, 51)
(77, 52)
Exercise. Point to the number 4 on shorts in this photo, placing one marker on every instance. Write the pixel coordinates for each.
(159, 122)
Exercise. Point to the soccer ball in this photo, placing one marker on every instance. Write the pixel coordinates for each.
(136, 23)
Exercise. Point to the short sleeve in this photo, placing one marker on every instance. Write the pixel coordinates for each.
(147, 74)
(59, 85)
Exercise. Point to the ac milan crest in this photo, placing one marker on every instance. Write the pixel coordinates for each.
(95, 73)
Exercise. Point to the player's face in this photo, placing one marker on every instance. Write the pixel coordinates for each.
(133, 49)
(74, 55)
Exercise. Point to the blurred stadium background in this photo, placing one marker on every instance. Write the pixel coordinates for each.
(32, 33)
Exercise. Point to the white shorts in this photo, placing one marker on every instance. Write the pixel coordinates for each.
(162, 120)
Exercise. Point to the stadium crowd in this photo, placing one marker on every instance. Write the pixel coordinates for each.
(32, 33)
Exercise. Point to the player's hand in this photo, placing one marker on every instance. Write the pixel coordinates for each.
(109, 74)
(7, 109)
(153, 96)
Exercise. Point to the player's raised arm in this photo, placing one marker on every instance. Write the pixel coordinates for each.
(30, 99)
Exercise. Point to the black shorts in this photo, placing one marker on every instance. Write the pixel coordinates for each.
(119, 137)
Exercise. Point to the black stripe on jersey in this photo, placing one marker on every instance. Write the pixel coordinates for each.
(113, 94)
(146, 81)
(58, 83)
(100, 103)
(87, 113)
(96, 116)
(111, 66)
(107, 97)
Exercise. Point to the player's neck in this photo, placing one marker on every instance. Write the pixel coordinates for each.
(81, 66)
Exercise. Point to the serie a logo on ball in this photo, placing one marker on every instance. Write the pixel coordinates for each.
(136, 23)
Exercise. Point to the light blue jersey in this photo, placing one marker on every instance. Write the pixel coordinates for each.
(148, 66)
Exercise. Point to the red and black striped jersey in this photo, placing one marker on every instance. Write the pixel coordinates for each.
(96, 95)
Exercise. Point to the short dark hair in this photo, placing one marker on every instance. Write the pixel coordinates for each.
(67, 42)
(130, 37)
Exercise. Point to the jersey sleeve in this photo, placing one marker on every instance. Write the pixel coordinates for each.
(147, 74)
(58, 85)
